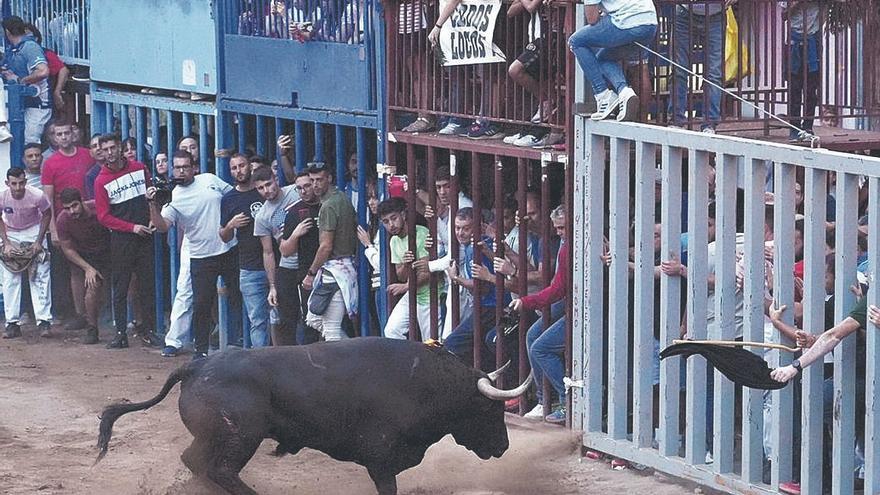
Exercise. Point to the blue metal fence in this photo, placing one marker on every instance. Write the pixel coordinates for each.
(64, 24)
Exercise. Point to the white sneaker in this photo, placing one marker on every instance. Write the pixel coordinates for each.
(450, 129)
(512, 138)
(536, 414)
(549, 140)
(545, 110)
(527, 141)
(629, 105)
(5, 135)
(606, 104)
(708, 130)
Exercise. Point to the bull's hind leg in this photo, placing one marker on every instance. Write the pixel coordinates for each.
(221, 460)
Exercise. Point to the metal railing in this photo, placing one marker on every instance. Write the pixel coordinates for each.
(419, 84)
(335, 21)
(64, 24)
(670, 423)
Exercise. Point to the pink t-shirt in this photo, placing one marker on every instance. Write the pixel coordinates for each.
(62, 172)
(24, 213)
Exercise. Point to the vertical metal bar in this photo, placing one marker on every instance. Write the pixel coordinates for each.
(412, 180)
(670, 302)
(262, 146)
(155, 135)
(174, 247)
(109, 126)
(812, 430)
(364, 285)
(725, 305)
(594, 301)
(498, 185)
(242, 132)
(432, 252)
(476, 185)
(783, 293)
(140, 133)
(643, 304)
(342, 160)
(453, 241)
(753, 316)
(695, 431)
(522, 170)
(319, 142)
(843, 434)
(203, 146)
(125, 124)
(872, 416)
(187, 124)
(299, 138)
(618, 287)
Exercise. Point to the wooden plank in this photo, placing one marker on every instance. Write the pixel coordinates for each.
(670, 301)
(579, 283)
(725, 305)
(815, 199)
(872, 416)
(695, 432)
(753, 315)
(595, 268)
(618, 287)
(643, 304)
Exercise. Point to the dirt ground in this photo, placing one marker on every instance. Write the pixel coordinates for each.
(51, 391)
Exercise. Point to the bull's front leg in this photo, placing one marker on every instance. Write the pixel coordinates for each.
(386, 482)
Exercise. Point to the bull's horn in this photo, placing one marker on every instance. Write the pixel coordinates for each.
(486, 388)
(495, 374)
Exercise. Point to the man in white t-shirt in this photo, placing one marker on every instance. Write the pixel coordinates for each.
(195, 209)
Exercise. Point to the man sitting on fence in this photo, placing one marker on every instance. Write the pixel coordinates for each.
(393, 212)
(25, 64)
(612, 28)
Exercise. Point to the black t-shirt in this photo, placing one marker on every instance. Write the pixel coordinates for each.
(308, 244)
(250, 251)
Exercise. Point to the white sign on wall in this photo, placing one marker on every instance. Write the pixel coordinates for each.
(466, 37)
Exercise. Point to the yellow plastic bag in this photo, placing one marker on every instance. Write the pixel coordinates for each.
(736, 61)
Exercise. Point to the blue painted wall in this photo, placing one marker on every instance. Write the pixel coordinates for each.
(168, 44)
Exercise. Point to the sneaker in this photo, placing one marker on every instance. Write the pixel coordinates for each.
(170, 351)
(709, 459)
(484, 130)
(452, 128)
(805, 136)
(527, 141)
(183, 94)
(549, 140)
(120, 341)
(198, 96)
(628, 101)
(422, 124)
(12, 331)
(78, 322)
(790, 487)
(793, 135)
(544, 112)
(5, 134)
(536, 414)
(708, 130)
(199, 355)
(557, 417)
(512, 138)
(606, 104)
(91, 336)
(45, 328)
(150, 339)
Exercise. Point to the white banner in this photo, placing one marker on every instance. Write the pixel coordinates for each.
(466, 37)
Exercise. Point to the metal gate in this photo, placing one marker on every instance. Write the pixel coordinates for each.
(624, 173)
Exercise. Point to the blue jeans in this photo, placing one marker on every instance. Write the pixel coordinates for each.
(600, 48)
(254, 288)
(461, 341)
(546, 352)
(708, 31)
(557, 312)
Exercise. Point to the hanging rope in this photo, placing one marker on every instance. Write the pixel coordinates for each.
(814, 140)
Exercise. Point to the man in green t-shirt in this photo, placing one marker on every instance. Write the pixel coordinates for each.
(392, 213)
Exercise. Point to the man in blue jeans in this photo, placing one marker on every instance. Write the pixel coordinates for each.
(547, 347)
(698, 24)
(600, 47)
(237, 210)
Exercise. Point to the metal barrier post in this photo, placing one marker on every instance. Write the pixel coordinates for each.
(15, 94)
(222, 313)
(364, 284)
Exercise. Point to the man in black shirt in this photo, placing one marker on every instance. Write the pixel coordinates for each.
(237, 210)
(301, 238)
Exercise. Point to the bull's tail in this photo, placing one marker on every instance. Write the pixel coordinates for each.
(113, 412)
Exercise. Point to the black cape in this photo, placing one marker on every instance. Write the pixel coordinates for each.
(737, 364)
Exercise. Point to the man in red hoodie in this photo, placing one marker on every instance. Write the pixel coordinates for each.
(546, 347)
(121, 205)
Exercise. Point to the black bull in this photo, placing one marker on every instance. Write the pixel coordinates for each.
(377, 402)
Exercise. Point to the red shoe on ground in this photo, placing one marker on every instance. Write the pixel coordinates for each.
(512, 405)
(790, 487)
